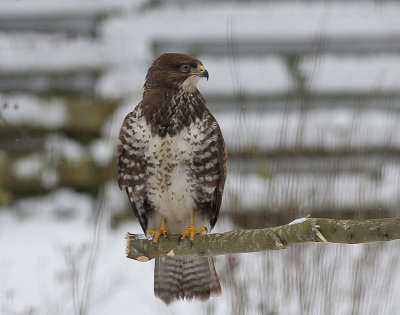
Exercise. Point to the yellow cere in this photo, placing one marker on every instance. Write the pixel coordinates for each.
(202, 68)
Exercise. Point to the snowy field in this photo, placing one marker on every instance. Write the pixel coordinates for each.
(60, 254)
(54, 265)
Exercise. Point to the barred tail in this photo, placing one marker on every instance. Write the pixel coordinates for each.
(185, 277)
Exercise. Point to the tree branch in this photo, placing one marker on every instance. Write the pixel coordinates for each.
(245, 241)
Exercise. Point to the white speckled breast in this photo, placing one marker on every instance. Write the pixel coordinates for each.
(169, 181)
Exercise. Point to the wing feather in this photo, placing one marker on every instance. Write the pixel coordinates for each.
(219, 189)
(211, 165)
(131, 166)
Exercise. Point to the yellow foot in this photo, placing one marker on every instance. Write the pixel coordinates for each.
(163, 230)
(192, 231)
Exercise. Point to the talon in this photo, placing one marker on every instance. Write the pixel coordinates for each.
(192, 231)
(157, 233)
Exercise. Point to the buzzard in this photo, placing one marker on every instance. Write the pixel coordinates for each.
(172, 163)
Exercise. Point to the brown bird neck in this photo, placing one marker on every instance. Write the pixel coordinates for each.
(168, 111)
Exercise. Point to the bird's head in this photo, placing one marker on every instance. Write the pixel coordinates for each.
(174, 70)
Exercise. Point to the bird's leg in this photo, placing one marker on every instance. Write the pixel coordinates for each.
(192, 231)
(162, 230)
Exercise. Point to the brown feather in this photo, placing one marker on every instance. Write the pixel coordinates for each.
(172, 162)
(185, 277)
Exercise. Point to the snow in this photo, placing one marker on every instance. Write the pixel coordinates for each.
(257, 20)
(56, 205)
(231, 76)
(334, 18)
(352, 74)
(49, 8)
(22, 109)
(312, 191)
(36, 273)
(102, 151)
(42, 165)
(29, 166)
(37, 269)
(59, 147)
(42, 238)
(50, 54)
(298, 221)
(124, 47)
(333, 128)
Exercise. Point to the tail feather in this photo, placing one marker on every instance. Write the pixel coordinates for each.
(185, 277)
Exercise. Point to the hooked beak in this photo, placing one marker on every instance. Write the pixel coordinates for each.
(203, 73)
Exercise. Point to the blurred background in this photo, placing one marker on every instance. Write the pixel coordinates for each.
(307, 94)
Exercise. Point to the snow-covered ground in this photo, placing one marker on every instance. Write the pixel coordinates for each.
(56, 260)
(54, 256)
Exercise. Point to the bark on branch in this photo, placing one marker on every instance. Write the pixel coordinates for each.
(245, 241)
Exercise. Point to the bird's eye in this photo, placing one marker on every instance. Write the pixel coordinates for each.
(185, 68)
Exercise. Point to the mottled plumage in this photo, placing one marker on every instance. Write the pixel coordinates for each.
(172, 164)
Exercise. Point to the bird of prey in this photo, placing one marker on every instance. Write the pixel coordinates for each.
(172, 163)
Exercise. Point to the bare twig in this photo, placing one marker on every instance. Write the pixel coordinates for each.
(319, 234)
